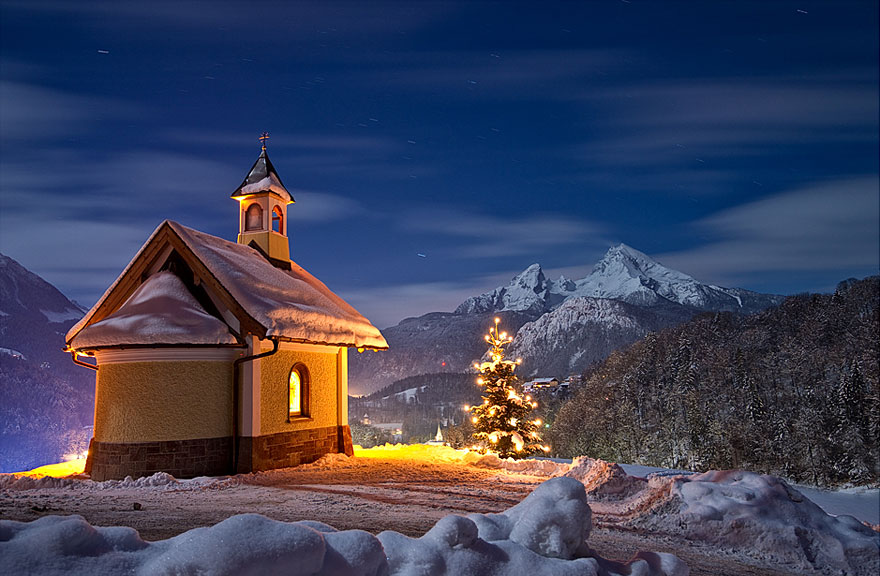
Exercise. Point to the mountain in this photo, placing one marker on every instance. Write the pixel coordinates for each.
(48, 401)
(34, 315)
(623, 274)
(583, 331)
(562, 326)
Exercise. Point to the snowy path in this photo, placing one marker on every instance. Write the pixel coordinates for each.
(389, 491)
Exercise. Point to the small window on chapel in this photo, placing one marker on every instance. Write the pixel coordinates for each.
(277, 220)
(298, 392)
(253, 219)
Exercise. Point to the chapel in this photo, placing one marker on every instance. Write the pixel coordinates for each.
(215, 357)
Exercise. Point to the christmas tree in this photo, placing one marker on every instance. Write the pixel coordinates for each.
(502, 423)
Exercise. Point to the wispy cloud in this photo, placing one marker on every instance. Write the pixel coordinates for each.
(833, 226)
(81, 258)
(388, 305)
(30, 111)
(658, 123)
(546, 74)
(324, 207)
(491, 236)
(256, 18)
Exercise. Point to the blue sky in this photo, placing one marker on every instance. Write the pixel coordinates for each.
(735, 141)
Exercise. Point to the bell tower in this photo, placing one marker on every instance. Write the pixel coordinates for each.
(262, 218)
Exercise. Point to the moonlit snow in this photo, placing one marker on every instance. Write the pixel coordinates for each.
(544, 534)
(738, 514)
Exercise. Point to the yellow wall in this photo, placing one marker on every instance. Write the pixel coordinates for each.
(275, 371)
(154, 401)
(272, 243)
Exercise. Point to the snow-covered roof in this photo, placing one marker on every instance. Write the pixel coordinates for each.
(286, 304)
(161, 311)
(262, 178)
(542, 381)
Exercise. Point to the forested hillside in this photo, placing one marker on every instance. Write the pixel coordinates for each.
(791, 391)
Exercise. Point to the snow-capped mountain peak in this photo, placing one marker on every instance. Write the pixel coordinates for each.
(625, 274)
(527, 290)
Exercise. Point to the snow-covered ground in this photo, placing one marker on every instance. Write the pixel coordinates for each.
(443, 506)
(862, 502)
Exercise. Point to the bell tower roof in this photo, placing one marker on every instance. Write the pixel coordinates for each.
(263, 178)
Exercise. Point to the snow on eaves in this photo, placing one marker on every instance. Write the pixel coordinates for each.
(270, 183)
(160, 311)
(288, 303)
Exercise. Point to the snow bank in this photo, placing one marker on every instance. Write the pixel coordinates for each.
(157, 481)
(604, 480)
(760, 516)
(544, 534)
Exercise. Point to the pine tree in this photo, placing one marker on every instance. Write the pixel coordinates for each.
(502, 422)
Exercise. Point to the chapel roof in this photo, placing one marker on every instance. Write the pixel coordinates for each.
(269, 302)
(262, 177)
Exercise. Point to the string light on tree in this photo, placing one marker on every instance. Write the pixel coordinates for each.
(502, 423)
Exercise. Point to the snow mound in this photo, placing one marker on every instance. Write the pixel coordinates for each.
(544, 534)
(604, 480)
(530, 467)
(24, 482)
(761, 516)
(157, 480)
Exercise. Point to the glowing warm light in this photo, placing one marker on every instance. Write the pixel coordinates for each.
(475, 419)
(295, 393)
(60, 470)
(497, 319)
(528, 398)
(480, 380)
(537, 422)
(466, 407)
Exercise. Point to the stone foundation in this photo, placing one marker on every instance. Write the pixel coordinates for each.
(180, 458)
(213, 456)
(287, 449)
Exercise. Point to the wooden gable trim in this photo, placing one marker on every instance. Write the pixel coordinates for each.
(249, 325)
(132, 277)
(144, 261)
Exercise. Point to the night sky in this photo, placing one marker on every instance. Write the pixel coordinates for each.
(437, 149)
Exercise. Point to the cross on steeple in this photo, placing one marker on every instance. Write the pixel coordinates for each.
(263, 137)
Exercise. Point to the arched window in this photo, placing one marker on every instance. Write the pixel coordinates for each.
(253, 218)
(298, 392)
(277, 220)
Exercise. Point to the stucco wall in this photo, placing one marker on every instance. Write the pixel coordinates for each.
(155, 401)
(275, 371)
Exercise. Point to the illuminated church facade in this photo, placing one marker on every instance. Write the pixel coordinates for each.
(215, 357)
